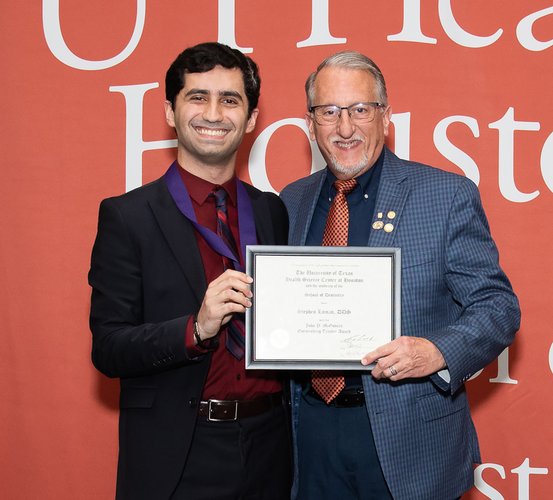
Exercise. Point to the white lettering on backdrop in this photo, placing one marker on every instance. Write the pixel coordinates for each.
(51, 26)
(523, 471)
(320, 31)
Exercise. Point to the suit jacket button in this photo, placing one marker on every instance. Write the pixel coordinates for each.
(193, 402)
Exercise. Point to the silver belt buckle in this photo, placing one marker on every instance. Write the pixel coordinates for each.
(211, 419)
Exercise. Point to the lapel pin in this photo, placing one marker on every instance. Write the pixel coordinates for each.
(389, 227)
(380, 215)
(378, 224)
(391, 214)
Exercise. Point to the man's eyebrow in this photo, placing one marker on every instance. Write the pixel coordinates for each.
(230, 93)
(222, 93)
(197, 91)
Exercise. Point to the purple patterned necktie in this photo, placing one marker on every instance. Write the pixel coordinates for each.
(235, 328)
(327, 383)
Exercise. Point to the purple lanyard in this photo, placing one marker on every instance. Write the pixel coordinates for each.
(246, 223)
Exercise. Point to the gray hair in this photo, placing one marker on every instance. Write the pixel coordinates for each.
(349, 60)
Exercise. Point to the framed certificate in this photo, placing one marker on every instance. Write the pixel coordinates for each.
(321, 307)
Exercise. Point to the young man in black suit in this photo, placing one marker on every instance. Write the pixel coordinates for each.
(168, 294)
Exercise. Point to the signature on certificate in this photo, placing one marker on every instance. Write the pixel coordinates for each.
(359, 343)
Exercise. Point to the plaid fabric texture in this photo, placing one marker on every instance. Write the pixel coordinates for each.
(454, 293)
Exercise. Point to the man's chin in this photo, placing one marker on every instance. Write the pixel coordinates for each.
(215, 157)
(348, 171)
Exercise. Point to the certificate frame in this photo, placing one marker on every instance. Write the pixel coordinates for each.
(280, 335)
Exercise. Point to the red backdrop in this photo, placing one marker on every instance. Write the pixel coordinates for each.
(82, 119)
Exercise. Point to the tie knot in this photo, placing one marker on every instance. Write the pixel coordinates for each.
(345, 186)
(220, 196)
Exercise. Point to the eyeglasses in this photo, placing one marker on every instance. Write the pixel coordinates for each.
(361, 112)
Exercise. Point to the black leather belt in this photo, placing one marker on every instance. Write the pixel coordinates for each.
(217, 410)
(348, 398)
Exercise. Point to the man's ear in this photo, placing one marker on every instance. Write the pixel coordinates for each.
(386, 119)
(310, 125)
(169, 113)
(252, 120)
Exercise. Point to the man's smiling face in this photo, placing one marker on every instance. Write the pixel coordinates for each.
(210, 116)
(349, 148)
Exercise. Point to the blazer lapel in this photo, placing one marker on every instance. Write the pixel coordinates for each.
(311, 190)
(263, 222)
(180, 236)
(390, 201)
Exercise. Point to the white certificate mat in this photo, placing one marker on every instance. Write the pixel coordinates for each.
(320, 307)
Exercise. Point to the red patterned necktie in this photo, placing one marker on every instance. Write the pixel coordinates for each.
(327, 383)
(235, 329)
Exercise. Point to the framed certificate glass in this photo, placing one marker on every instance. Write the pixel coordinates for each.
(321, 307)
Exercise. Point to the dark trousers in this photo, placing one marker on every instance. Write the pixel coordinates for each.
(337, 454)
(248, 459)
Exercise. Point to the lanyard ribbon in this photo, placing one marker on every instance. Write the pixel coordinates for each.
(246, 222)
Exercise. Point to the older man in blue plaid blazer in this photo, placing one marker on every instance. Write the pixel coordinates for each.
(404, 430)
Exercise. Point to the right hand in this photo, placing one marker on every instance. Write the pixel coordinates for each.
(229, 293)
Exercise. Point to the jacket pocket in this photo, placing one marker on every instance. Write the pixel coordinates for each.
(419, 260)
(137, 397)
(435, 406)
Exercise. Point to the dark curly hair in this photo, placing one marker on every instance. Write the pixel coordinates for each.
(204, 57)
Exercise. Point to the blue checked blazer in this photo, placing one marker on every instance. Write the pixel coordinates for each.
(453, 293)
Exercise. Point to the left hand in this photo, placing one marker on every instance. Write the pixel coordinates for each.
(405, 357)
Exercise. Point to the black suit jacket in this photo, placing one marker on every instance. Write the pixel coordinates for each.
(147, 278)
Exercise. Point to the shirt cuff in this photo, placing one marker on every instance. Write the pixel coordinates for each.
(444, 374)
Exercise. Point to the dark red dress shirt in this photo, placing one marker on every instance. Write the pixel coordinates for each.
(227, 377)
